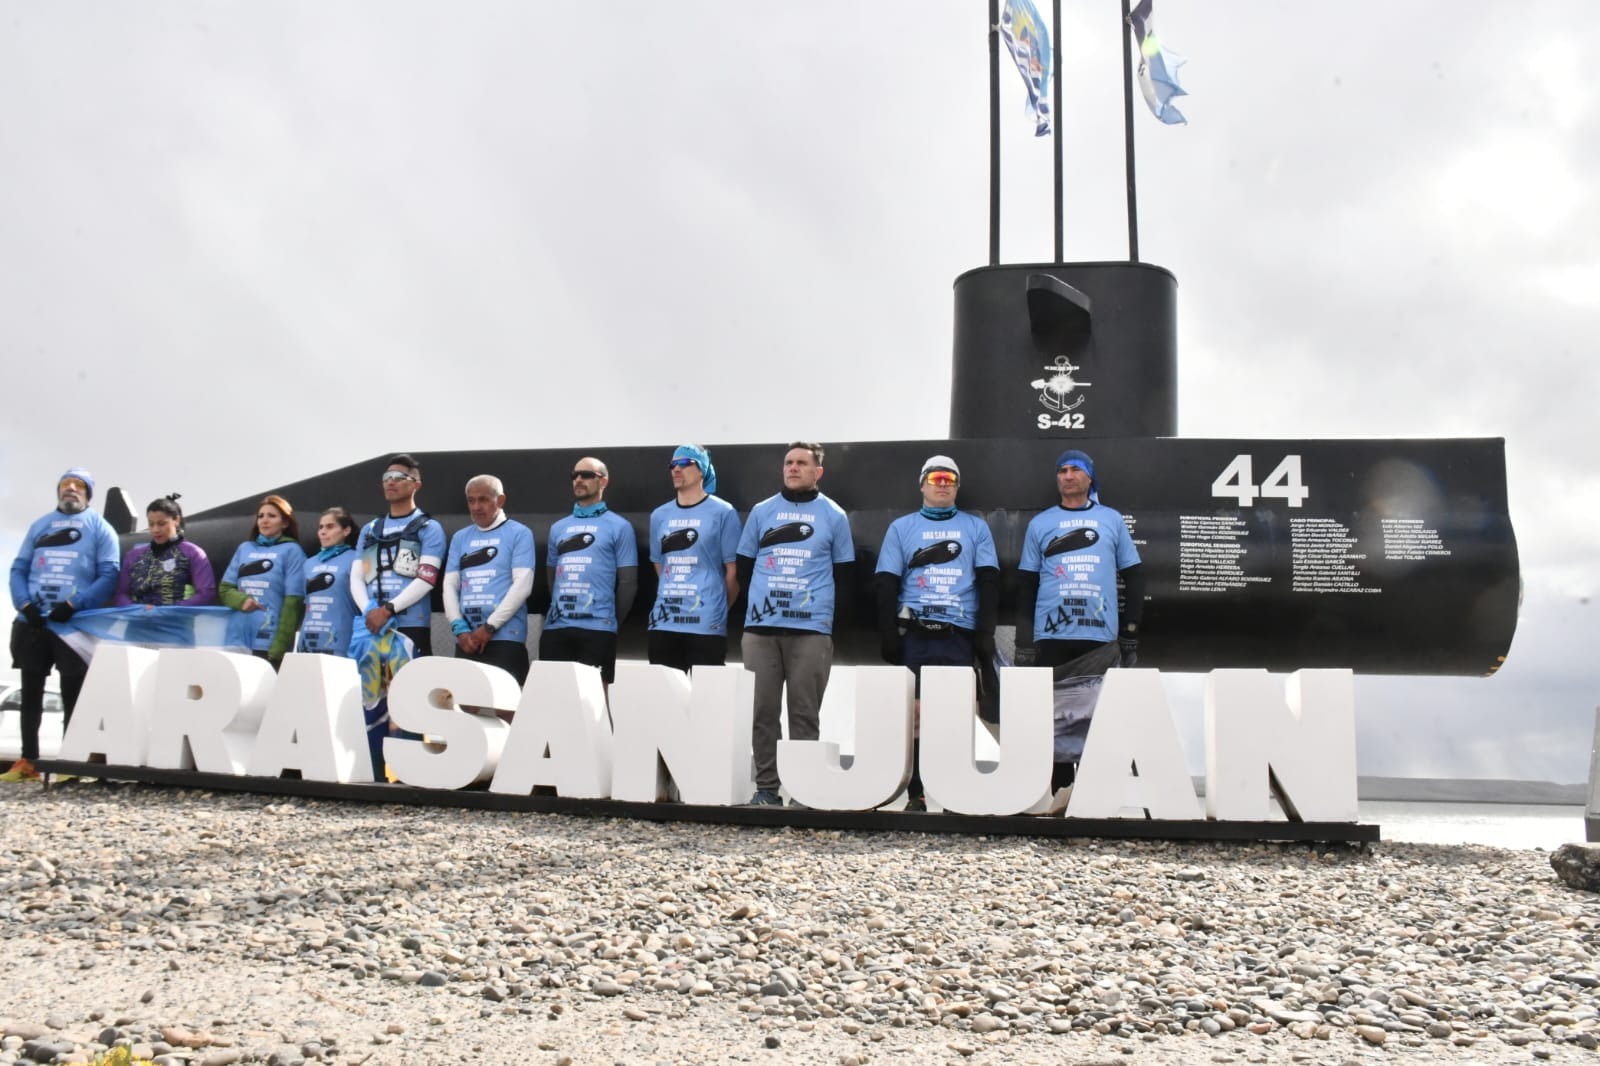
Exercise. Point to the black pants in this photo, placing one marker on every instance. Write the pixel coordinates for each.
(33, 653)
(683, 650)
(591, 647)
(952, 647)
(509, 655)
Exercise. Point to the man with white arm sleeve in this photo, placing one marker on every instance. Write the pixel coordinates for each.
(488, 577)
(402, 554)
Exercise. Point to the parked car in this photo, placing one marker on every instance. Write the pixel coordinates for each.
(11, 722)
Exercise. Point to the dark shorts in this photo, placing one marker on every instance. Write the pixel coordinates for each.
(421, 637)
(509, 655)
(683, 650)
(1062, 652)
(951, 648)
(591, 647)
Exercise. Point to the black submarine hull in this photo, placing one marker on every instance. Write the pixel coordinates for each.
(1382, 556)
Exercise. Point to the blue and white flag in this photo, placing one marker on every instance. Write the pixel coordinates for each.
(1158, 68)
(1028, 40)
(159, 627)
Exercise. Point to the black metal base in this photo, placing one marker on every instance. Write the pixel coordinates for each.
(798, 817)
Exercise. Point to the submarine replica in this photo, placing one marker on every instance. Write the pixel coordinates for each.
(1381, 556)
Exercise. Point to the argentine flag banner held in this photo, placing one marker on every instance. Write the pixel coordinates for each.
(160, 627)
(1028, 40)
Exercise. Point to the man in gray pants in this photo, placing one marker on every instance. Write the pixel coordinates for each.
(794, 559)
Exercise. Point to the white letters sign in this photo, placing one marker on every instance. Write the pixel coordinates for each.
(668, 735)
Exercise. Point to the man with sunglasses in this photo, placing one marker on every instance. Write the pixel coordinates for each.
(593, 563)
(938, 589)
(694, 539)
(1072, 557)
(402, 555)
(68, 562)
(794, 558)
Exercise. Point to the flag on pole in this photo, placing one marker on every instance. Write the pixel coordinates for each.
(1158, 68)
(1028, 40)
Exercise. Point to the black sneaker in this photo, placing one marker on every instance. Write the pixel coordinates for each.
(917, 804)
(765, 797)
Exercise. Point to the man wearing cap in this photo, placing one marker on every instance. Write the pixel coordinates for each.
(402, 553)
(593, 564)
(488, 575)
(938, 588)
(68, 562)
(1072, 557)
(694, 540)
(794, 558)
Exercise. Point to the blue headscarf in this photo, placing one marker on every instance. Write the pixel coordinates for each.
(1081, 460)
(702, 459)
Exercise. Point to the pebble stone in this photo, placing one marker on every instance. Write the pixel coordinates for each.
(227, 928)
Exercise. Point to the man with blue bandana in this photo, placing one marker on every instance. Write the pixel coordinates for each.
(794, 558)
(1072, 557)
(401, 555)
(694, 540)
(938, 590)
(488, 576)
(593, 564)
(68, 562)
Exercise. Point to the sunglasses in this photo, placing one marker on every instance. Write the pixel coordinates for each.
(584, 474)
(941, 478)
(679, 464)
(395, 475)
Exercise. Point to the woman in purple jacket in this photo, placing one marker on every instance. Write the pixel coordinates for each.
(169, 570)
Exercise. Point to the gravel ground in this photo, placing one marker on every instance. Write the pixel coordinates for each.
(222, 928)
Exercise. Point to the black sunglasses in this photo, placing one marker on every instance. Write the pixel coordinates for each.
(576, 474)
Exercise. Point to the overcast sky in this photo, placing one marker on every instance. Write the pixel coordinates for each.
(241, 244)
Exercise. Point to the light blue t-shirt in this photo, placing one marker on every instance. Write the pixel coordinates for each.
(693, 546)
(388, 567)
(486, 559)
(586, 554)
(937, 562)
(1077, 555)
(64, 557)
(795, 547)
(269, 574)
(330, 612)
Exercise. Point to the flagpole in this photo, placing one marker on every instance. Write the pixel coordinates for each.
(1127, 135)
(1055, 115)
(994, 132)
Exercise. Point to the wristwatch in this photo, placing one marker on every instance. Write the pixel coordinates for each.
(388, 605)
(491, 627)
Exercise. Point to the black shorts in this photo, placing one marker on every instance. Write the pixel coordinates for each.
(953, 647)
(683, 650)
(509, 655)
(591, 647)
(421, 637)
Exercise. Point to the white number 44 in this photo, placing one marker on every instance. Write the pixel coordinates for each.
(1237, 482)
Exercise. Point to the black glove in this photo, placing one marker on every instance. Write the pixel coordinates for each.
(893, 648)
(34, 617)
(1130, 650)
(983, 647)
(62, 611)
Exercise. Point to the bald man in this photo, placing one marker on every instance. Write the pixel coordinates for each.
(593, 564)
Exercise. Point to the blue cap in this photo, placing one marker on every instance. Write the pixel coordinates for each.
(1081, 460)
(80, 474)
(702, 459)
